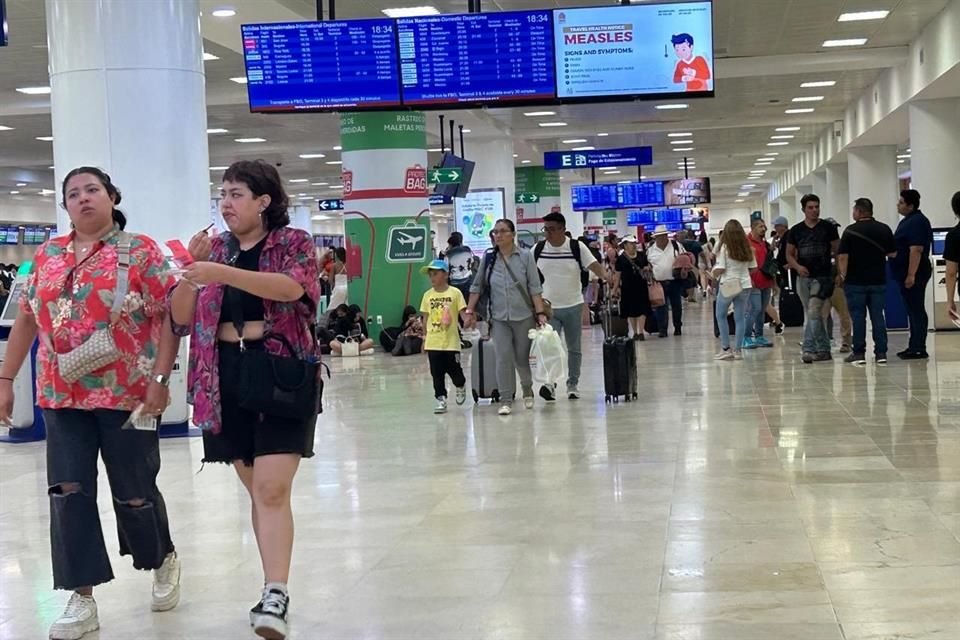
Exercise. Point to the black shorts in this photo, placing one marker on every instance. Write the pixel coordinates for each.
(246, 435)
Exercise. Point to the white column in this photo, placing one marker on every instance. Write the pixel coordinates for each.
(836, 196)
(128, 96)
(873, 174)
(788, 207)
(818, 183)
(935, 150)
(799, 191)
(494, 158)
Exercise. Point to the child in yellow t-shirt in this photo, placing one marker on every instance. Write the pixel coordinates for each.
(441, 306)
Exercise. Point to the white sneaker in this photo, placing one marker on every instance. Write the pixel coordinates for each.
(724, 355)
(461, 395)
(505, 409)
(77, 620)
(528, 402)
(573, 393)
(441, 406)
(166, 584)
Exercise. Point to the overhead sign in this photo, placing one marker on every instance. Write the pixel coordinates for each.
(407, 243)
(446, 176)
(598, 159)
(330, 205)
(527, 197)
(437, 199)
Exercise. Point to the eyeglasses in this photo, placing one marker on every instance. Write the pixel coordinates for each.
(549, 229)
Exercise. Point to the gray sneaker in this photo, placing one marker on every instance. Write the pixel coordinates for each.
(573, 393)
(808, 357)
(822, 357)
(856, 358)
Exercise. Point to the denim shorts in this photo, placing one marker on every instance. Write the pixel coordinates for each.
(245, 434)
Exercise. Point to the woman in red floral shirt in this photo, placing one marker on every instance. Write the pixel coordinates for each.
(257, 279)
(76, 296)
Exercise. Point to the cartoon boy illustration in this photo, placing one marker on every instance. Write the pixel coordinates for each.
(692, 71)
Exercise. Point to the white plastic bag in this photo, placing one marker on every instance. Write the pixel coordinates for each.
(548, 357)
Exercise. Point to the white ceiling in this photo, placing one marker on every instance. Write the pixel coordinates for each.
(764, 50)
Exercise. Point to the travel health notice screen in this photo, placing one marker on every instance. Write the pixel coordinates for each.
(321, 65)
(634, 50)
(477, 57)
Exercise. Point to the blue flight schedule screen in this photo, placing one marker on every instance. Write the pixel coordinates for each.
(592, 197)
(640, 194)
(486, 57)
(314, 66)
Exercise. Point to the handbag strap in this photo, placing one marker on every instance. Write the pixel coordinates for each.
(863, 237)
(523, 291)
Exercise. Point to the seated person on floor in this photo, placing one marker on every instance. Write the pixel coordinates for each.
(349, 326)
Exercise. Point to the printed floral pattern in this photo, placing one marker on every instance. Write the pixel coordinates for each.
(288, 251)
(67, 315)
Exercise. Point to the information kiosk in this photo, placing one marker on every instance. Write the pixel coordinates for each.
(27, 419)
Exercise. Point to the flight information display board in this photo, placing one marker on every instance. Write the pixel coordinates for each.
(594, 197)
(477, 58)
(317, 66)
(634, 50)
(640, 194)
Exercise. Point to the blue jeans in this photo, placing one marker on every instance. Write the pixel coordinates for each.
(815, 337)
(570, 322)
(860, 299)
(759, 299)
(739, 302)
(673, 292)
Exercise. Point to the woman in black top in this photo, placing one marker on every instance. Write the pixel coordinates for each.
(951, 254)
(632, 272)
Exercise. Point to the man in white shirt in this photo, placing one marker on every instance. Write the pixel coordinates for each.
(564, 263)
(662, 255)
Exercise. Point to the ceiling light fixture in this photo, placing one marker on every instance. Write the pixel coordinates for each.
(224, 168)
(602, 135)
(223, 12)
(551, 124)
(587, 148)
(748, 186)
(743, 194)
(319, 184)
(902, 156)
(525, 162)
(334, 162)
(574, 141)
(679, 135)
(337, 148)
(804, 110)
(786, 136)
(410, 12)
(681, 142)
(539, 114)
(34, 91)
(777, 144)
(860, 16)
(13, 193)
(249, 140)
(3, 128)
(771, 153)
(212, 131)
(614, 172)
(738, 201)
(808, 99)
(45, 138)
(787, 129)
(312, 156)
(685, 149)
(845, 42)
(435, 150)
(678, 105)
(239, 79)
(818, 84)
(209, 57)
(297, 180)
(21, 184)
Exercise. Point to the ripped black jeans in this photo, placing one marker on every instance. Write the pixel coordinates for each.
(132, 460)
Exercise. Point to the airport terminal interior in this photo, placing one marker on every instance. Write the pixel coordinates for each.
(778, 490)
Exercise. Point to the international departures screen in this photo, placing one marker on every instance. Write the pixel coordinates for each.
(482, 57)
(302, 66)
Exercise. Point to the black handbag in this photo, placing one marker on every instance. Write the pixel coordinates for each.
(285, 386)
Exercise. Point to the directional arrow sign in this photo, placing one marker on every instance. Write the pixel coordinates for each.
(446, 176)
(330, 205)
(532, 198)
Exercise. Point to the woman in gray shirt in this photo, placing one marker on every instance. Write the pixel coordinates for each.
(509, 279)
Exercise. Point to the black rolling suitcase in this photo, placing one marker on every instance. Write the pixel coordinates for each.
(791, 306)
(613, 325)
(619, 363)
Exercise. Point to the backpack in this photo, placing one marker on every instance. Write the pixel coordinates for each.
(575, 254)
(770, 266)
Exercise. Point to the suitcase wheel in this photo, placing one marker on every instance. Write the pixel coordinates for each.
(496, 396)
(476, 397)
(635, 396)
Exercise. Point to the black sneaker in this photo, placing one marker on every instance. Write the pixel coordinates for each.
(914, 355)
(638, 337)
(547, 393)
(807, 357)
(856, 358)
(663, 334)
(881, 358)
(778, 329)
(822, 357)
(678, 331)
(900, 354)
(269, 617)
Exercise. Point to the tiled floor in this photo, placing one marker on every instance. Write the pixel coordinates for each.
(736, 501)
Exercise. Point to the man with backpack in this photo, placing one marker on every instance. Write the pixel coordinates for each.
(564, 264)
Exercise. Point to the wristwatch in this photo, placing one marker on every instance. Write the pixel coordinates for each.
(162, 379)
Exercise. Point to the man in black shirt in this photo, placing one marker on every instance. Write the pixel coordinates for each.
(811, 246)
(951, 254)
(861, 260)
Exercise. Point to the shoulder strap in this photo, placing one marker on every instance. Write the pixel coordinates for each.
(575, 248)
(522, 289)
(857, 234)
(538, 249)
(124, 242)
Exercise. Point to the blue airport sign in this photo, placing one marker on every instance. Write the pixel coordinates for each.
(598, 159)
